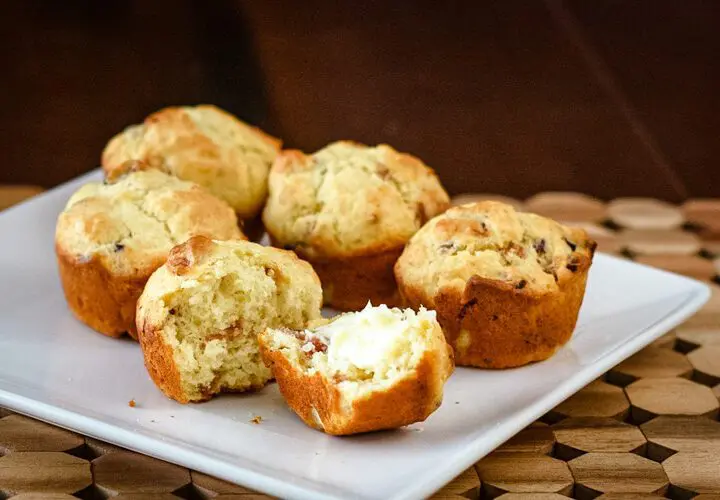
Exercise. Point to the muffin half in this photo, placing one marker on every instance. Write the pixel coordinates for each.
(200, 314)
(349, 209)
(507, 286)
(112, 236)
(376, 369)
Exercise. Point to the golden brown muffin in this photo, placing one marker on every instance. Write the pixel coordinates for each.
(202, 144)
(507, 286)
(111, 237)
(376, 369)
(200, 314)
(349, 209)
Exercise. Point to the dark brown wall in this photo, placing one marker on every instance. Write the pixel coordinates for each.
(607, 97)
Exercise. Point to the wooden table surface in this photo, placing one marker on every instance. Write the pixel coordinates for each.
(647, 429)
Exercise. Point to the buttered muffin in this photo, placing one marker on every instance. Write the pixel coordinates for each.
(203, 144)
(507, 286)
(112, 236)
(200, 314)
(349, 209)
(376, 369)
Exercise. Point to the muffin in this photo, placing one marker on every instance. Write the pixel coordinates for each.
(376, 369)
(200, 314)
(202, 144)
(111, 237)
(507, 286)
(349, 209)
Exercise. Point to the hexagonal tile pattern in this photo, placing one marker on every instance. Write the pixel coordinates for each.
(712, 306)
(598, 399)
(538, 438)
(673, 385)
(127, 472)
(18, 433)
(521, 473)
(629, 496)
(658, 242)
(214, 486)
(595, 434)
(697, 336)
(618, 473)
(645, 213)
(694, 472)
(703, 319)
(710, 243)
(668, 434)
(150, 496)
(466, 485)
(531, 496)
(43, 496)
(651, 362)
(670, 396)
(43, 472)
(100, 448)
(567, 206)
(706, 361)
(667, 341)
(687, 265)
(702, 212)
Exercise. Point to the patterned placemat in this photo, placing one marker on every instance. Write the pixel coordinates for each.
(647, 429)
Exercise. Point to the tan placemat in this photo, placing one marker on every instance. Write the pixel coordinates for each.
(647, 429)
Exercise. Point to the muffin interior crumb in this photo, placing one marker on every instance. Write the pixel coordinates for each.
(214, 318)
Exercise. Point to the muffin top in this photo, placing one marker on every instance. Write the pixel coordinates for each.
(133, 223)
(349, 200)
(493, 241)
(203, 144)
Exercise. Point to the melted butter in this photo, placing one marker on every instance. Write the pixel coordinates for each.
(372, 336)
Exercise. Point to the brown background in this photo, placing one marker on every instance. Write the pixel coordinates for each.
(606, 97)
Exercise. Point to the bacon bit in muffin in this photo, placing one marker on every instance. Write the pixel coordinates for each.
(539, 246)
(311, 344)
(132, 403)
(573, 264)
(256, 419)
(448, 246)
(514, 247)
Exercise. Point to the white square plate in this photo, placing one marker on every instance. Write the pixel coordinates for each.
(55, 369)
